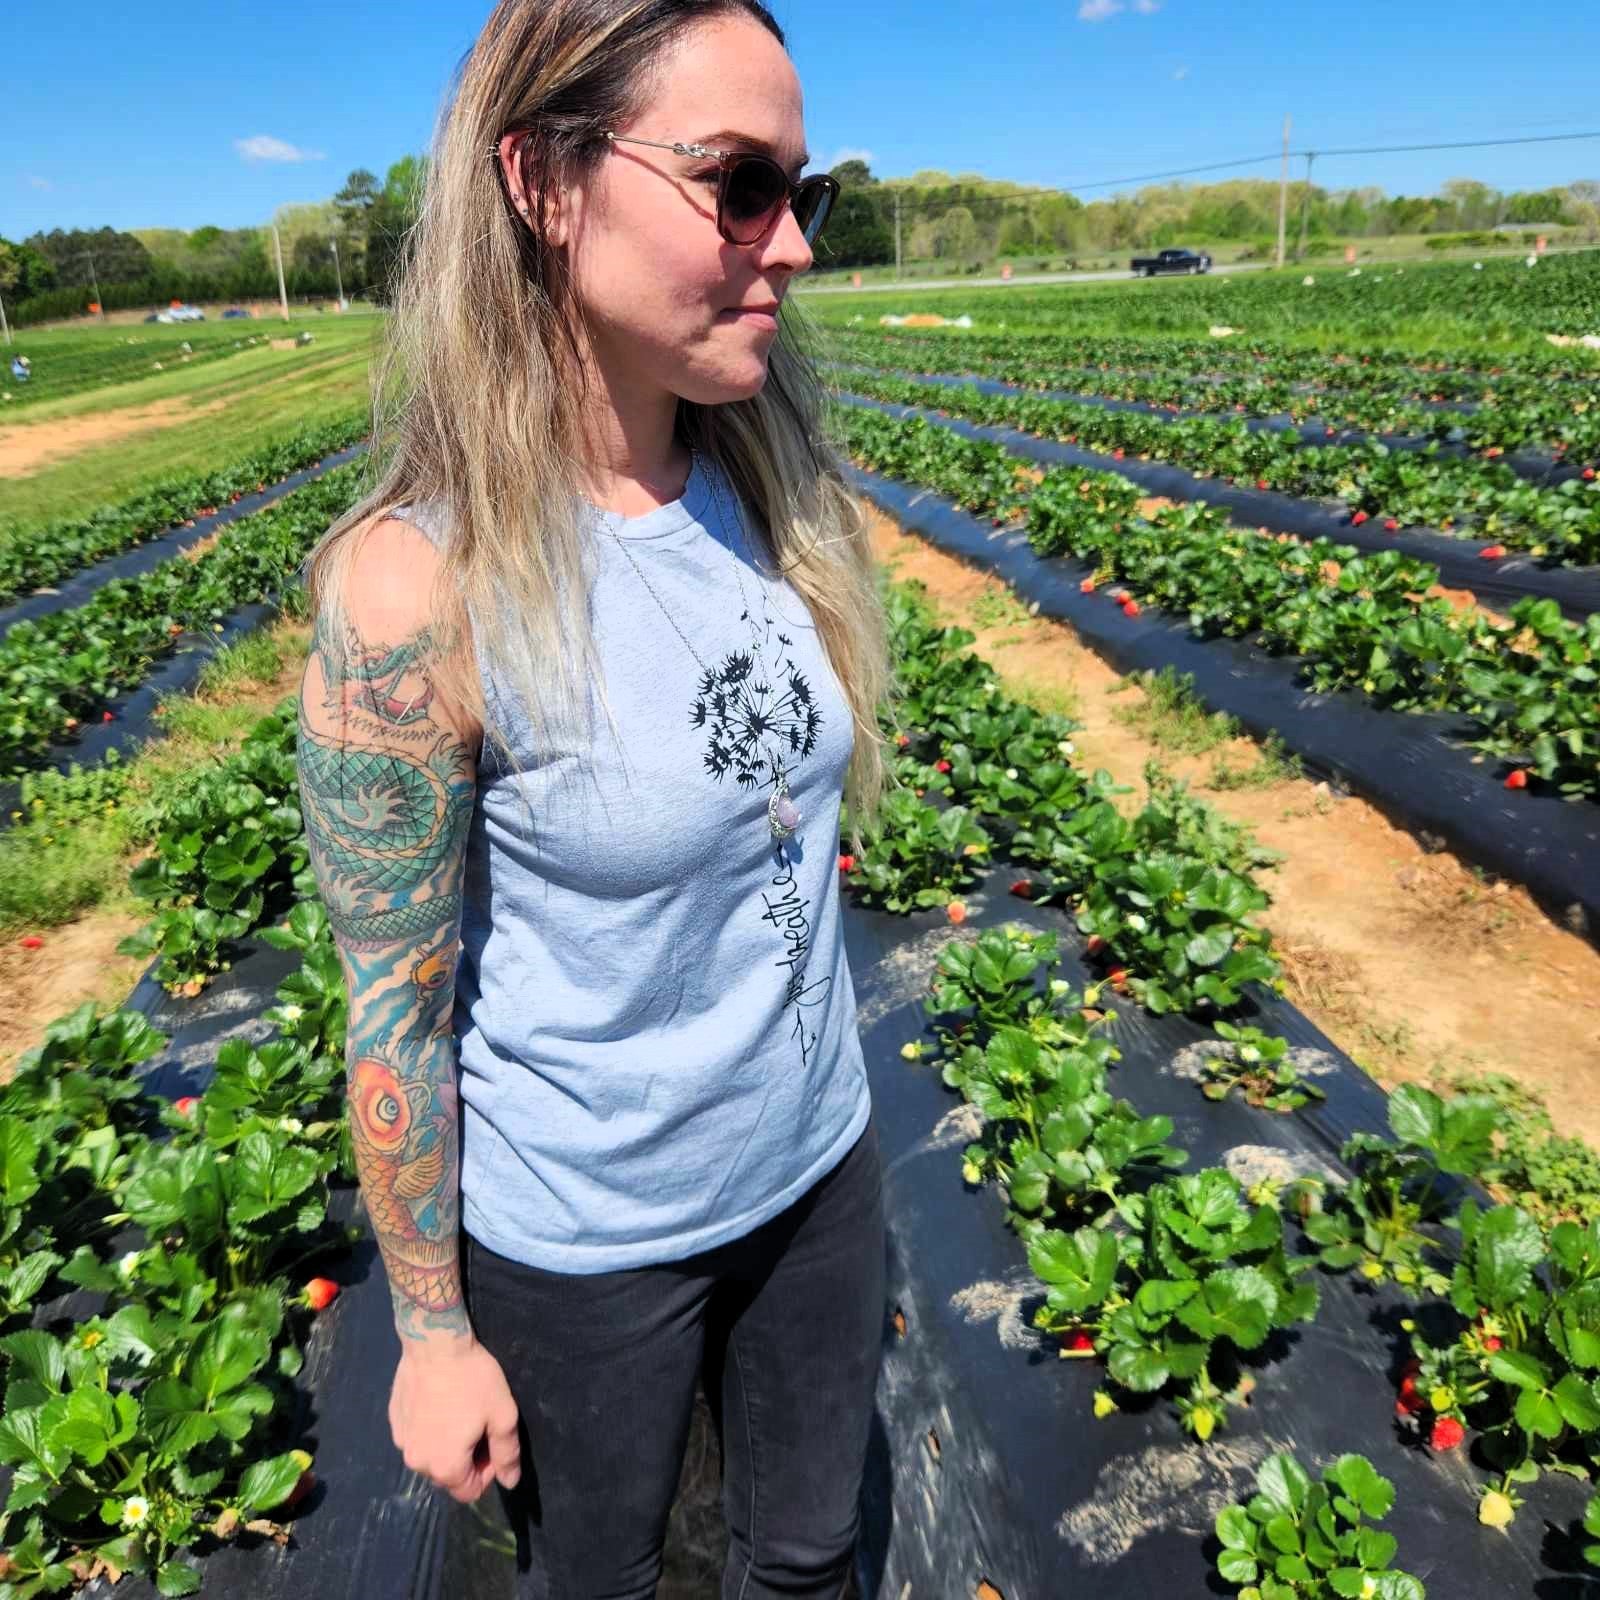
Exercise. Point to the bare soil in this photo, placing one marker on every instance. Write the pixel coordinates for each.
(1412, 962)
(78, 961)
(28, 446)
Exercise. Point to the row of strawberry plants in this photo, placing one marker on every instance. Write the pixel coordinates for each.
(58, 670)
(155, 1425)
(1368, 377)
(31, 557)
(1167, 1279)
(1360, 621)
(1568, 427)
(1405, 488)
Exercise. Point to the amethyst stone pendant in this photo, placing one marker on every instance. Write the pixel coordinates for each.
(783, 816)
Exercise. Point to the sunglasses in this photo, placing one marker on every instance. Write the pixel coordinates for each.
(752, 191)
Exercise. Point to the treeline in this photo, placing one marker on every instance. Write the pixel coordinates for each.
(55, 274)
(969, 219)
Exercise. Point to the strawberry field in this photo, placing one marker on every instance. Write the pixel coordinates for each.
(1178, 1295)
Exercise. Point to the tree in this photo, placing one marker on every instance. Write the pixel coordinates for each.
(854, 174)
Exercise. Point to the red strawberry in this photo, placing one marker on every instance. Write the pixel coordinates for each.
(1492, 552)
(1087, 586)
(184, 1105)
(1130, 608)
(941, 766)
(903, 740)
(1119, 977)
(1494, 450)
(31, 941)
(1447, 1434)
(1588, 474)
(1078, 1341)
(320, 1293)
(1117, 454)
(1261, 483)
(1517, 779)
(1408, 1405)
(847, 863)
(1491, 1344)
(1023, 888)
(1358, 519)
(105, 716)
(1391, 526)
(1408, 1384)
(956, 911)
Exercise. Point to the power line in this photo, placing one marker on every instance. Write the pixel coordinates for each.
(1031, 196)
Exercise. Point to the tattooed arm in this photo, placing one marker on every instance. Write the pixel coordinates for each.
(387, 787)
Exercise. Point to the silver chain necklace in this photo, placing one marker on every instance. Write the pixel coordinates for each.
(783, 816)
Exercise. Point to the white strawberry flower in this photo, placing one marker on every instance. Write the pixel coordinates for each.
(291, 1013)
(1011, 772)
(290, 1124)
(1066, 746)
(1136, 922)
(1059, 987)
(127, 1265)
(135, 1510)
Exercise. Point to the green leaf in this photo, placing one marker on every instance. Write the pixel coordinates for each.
(1537, 1413)
(1236, 1566)
(1518, 1368)
(1236, 1530)
(1208, 948)
(1281, 1486)
(1577, 1403)
(269, 1483)
(1415, 1115)
(1138, 1368)
(1364, 1484)
(175, 1577)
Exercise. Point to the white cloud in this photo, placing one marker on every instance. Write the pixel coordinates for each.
(263, 147)
(38, 182)
(1180, 74)
(1146, 8)
(1098, 10)
(847, 152)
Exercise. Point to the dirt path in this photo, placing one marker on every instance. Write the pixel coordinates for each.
(78, 961)
(1412, 963)
(29, 446)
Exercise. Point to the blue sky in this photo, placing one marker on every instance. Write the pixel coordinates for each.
(135, 115)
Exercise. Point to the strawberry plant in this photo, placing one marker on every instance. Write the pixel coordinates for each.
(1258, 1065)
(1203, 1277)
(918, 856)
(1385, 1220)
(1299, 1538)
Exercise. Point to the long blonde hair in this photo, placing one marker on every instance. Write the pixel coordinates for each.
(478, 393)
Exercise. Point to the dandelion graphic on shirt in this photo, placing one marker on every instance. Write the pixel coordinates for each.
(759, 729)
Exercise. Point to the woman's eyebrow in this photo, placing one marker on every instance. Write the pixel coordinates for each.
(733, 136)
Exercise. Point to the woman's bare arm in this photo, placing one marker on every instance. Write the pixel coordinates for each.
(387, 784)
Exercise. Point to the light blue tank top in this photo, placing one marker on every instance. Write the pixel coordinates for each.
(654, 1012)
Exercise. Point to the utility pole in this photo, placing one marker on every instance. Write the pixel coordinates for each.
(5, 327)
(283, 294)
(95, 280)
(338, 276)
(897, 233)
(1283, 192)
(1305, 205)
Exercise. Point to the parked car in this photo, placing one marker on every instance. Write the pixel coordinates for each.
(155, 316)
(236, 311)
(1171, 261)
(181, 313)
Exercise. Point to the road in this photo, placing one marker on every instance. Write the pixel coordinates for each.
(1004, 283)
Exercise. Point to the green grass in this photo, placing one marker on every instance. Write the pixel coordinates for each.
(70, 849)
(1273, 766)
(1171, 715)
(265, 394)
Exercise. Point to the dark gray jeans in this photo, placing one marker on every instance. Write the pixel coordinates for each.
(784, 1327)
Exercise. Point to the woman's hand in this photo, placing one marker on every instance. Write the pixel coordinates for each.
(453, 1417)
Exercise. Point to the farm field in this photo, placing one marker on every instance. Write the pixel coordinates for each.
(1228, 958)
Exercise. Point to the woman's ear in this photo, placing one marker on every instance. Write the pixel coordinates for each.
(553, 230)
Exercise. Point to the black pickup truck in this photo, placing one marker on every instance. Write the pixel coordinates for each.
(1171, 261)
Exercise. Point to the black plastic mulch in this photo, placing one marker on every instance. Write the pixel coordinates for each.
(1412, 766)
(1517, 577)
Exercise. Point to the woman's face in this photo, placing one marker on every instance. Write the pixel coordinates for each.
(661, 289)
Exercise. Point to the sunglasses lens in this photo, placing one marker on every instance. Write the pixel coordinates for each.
(811, 208)
(756, 189)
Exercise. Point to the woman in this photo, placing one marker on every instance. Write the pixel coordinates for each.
(594, 663)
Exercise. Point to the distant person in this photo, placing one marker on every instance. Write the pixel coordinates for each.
(21, 368)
